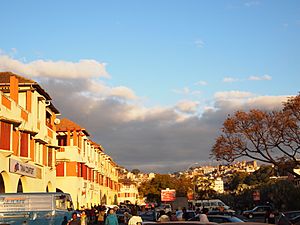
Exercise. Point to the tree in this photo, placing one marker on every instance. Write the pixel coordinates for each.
(152, 189)
(270, 137)
(135, 171)
(260, 176)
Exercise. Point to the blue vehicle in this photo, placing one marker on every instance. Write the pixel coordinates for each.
(35, 208)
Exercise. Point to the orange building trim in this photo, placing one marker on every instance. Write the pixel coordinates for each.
(24, 115)
(15, 142)
(32, 145)
(50, 133)
(28, 101)
(6, 102)
(69, 138)
(71, 169)
(45, 155)
(60, 169)
(14, 88)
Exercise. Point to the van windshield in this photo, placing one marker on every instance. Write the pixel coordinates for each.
(63, 202)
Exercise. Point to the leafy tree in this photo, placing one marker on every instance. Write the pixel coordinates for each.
(269, 137)
(152, 189)
(236, 180)
(260, 176)
(135, 171)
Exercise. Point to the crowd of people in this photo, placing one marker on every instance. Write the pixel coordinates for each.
(107, 216)
(102, 215)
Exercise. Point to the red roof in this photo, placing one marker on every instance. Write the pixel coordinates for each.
(5, 80)
(66, 124)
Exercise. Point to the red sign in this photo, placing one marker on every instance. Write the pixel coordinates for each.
(256, 195)
(168, 195)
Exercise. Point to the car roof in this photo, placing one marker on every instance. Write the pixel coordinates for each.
(223, 216)
(243, 223)
(181, 223)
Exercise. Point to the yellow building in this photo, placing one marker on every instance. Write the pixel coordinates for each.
(128, 192)
(27, 136)
(83, 169)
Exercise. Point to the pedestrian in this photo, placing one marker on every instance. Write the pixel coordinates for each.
(270, 216)
(135, 219)
(203, 215)
(127, 217)
(101, 216)
(163, 217)
(173, 216)
(185, 215)
(83, 218)
(75, 219)
(111, 218)
(65, 221)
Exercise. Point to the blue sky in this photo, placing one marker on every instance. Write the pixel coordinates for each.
(162, 55)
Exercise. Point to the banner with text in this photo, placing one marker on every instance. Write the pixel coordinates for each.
(168, 195)
(22, 168)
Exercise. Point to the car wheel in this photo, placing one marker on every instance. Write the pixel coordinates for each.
(250, 216)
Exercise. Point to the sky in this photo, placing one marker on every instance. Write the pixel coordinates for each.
(153, 81)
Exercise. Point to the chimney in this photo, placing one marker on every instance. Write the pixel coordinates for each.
(14, 88)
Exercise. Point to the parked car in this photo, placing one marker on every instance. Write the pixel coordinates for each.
(224, 219)
(190, 214)
(228, 212)
(150, 215)
(181, 223)
(288, 218)
(258, 211)
(210, 204)
(120, 214)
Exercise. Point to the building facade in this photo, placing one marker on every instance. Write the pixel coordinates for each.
(27, 136)
(35, 156)
(83, 169)
(128, 192)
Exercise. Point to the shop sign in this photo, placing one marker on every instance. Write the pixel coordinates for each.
(256, 195)
(168, 195)
(22, 168)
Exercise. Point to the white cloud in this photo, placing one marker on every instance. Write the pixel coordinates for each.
(232, 95)
(252, 3)
(186, 91)
(187, 106)
(98, 89)
(85, 68)
(257, 78)
(201, 83)
(123, 92)
(199, 43)
(230, 79)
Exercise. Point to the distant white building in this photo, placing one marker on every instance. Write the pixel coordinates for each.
(128, 192)
(218, 185)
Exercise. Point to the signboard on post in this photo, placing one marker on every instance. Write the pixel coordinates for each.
(168, 195)
(256, 195)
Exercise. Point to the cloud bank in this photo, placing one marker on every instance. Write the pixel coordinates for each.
(85, 68)
(156, 139)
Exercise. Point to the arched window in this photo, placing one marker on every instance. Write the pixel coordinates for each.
(2, 185)
(20, 187)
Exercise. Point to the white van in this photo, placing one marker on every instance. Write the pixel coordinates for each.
(35, 208)
(211, 204)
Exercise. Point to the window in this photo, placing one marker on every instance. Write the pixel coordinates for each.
(5, 131)
(24, 144)
(62, 140)
(50, 157)
(60, 202)
(48, 119)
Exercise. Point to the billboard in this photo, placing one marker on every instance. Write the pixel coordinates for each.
(168, 195)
